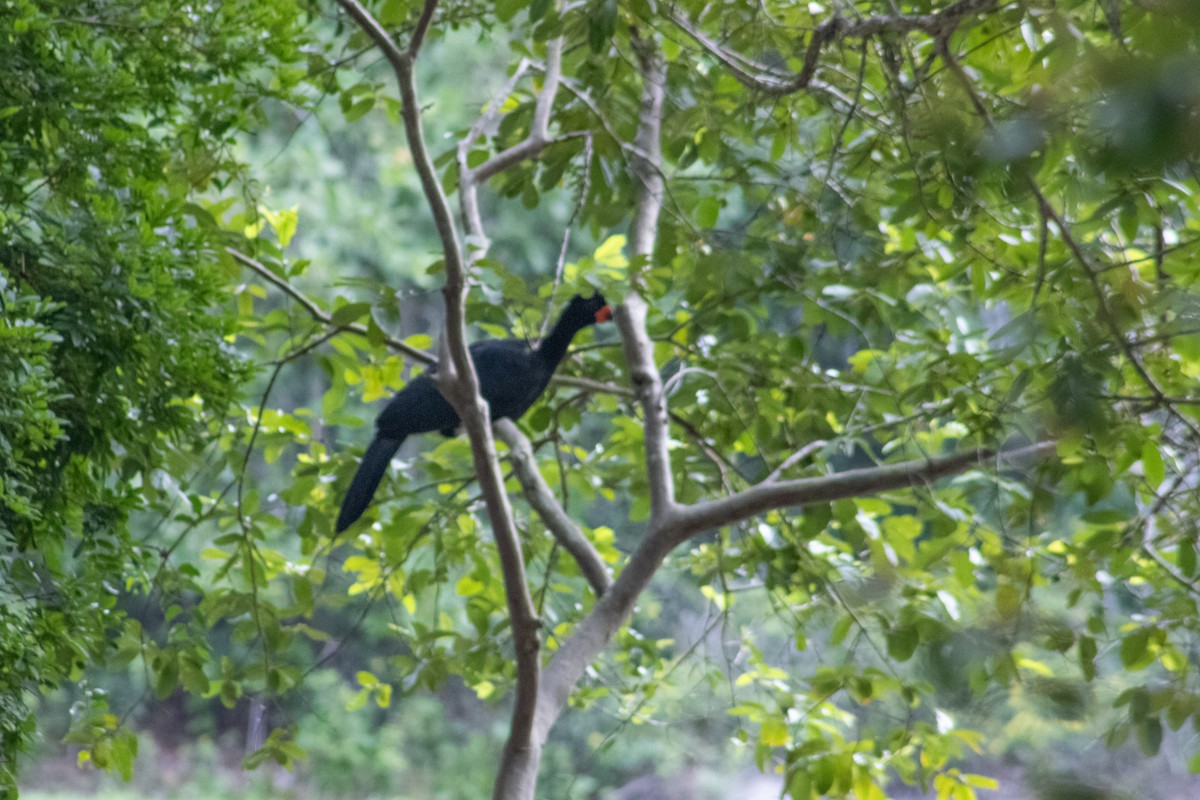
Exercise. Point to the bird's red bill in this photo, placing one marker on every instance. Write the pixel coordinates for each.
(604, 314)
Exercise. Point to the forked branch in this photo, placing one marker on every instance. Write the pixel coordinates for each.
(594, 632)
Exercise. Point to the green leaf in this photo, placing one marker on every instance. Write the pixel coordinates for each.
(1134, 649)
(351, 312)
(602, 24)
(191, 674)
(166, 676)
(902, 642)
(823, 774)
(507, 9)
(707, 212)
(1186, 557)
(358, 108)
(981, 781)
(1009, 600)
(1087, 656)
(799, 785)
(611, 252)
(1152, 464)
(1150, 735)
(841, 628)
(358, 700)
(393, 12)
(123, 752)
(284, 223)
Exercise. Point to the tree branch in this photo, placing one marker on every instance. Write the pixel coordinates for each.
(691, 520)
(553, 516)
(575, 654)
(399, 59)
(795, 458)
(320, 316)
(468, 197)
(589, 385)
(762, 78)
(647, 164)
(517, 775)
(631, 314)
(647, 386)
(418, 36)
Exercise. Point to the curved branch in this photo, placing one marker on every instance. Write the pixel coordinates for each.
(399, 59)
(534, 143)
(589, 385)
(647, 385)
(795, 458)
(418, 36)
(647, 164)
(468, 196)
(539, 132)
(571, 660)
(320, 316)
(553, 516)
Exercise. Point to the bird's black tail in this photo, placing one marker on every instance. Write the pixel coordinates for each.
(370, 472)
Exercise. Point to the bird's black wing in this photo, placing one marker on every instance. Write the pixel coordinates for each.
(511, 377)
(417, 408)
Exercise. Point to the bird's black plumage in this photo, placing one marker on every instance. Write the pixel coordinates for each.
(512, 376)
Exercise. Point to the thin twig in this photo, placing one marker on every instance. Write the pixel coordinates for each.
(315, 311)
(795, 458)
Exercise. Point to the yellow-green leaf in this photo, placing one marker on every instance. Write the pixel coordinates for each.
(611, 252)
(774, 733)
(284, 222)
(468, 586)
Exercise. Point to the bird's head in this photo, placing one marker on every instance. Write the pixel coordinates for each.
(589, 310)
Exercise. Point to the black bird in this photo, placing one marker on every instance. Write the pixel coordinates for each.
(512, 376)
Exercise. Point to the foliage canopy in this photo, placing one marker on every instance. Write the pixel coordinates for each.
(900, 234)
